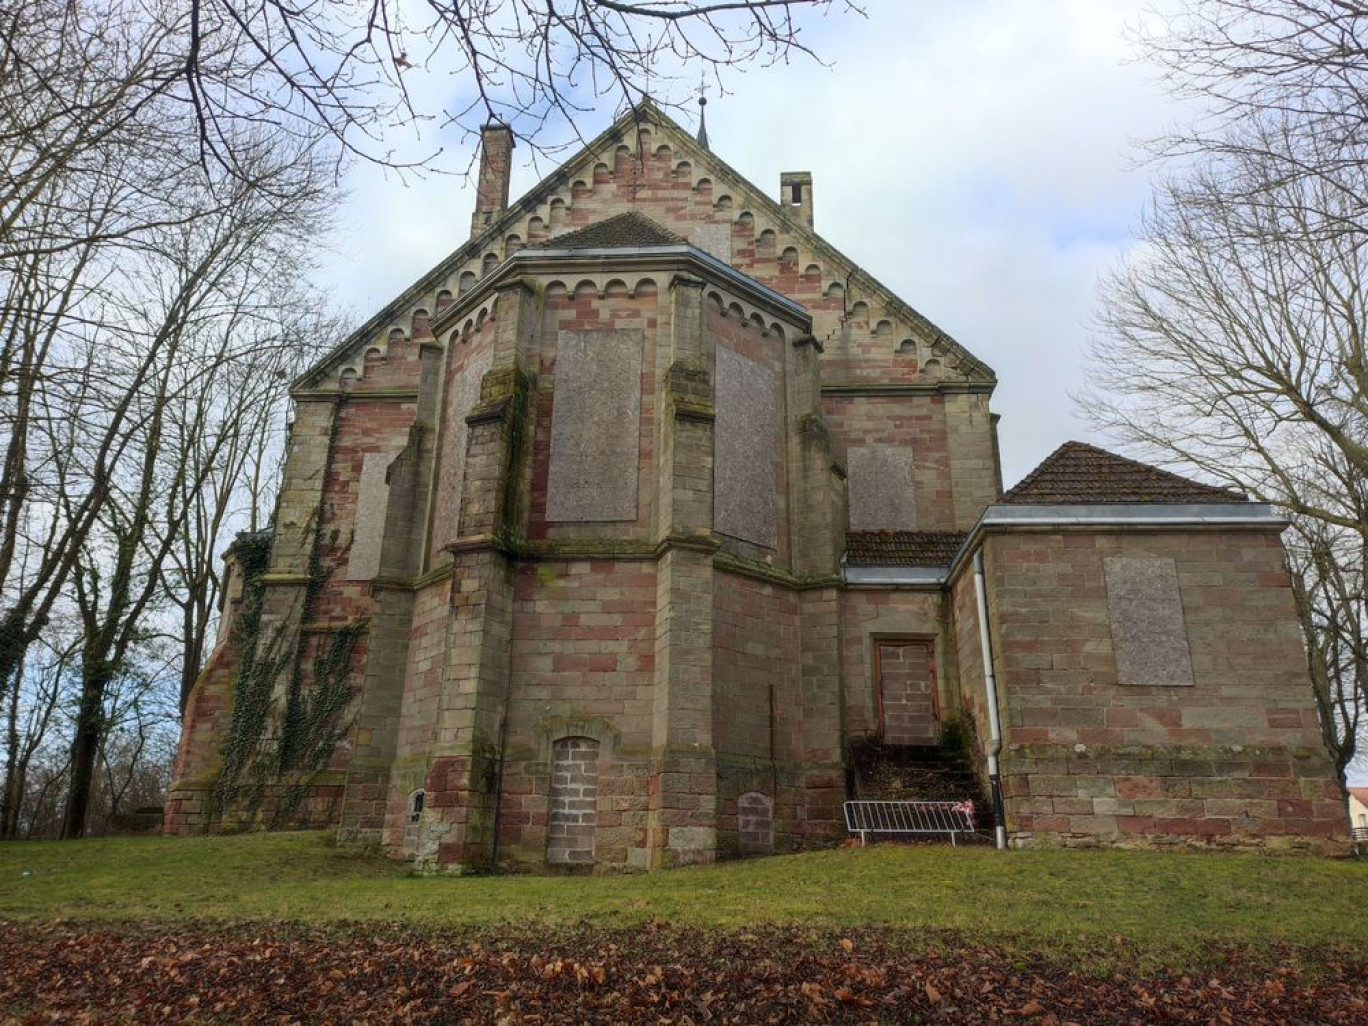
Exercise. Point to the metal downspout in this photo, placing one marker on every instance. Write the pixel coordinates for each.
(990, 684)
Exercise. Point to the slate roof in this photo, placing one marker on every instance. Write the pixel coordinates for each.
(618, 232)
(1079, 474)
(902, 548)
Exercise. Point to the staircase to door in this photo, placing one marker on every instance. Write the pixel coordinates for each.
(877, 771)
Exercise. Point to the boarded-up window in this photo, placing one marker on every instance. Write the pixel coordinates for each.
(746, 446)
(368, 529)
(574, 800)
(595, 427)
(755, 823)
(463, 395)
(907, 693)
(880, 486)
(1149, 634)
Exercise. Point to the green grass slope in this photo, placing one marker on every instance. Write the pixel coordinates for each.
(1052, 900)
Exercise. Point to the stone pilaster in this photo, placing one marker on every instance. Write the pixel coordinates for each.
(463, 773)
(683, 819)
(817, 524)
(374, 738)
(822, 777)
(816, 489)
(308, 457)
(971, 441)
(683, 809)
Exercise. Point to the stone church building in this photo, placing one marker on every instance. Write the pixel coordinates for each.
(646, 504)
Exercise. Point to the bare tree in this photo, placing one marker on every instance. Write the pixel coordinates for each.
(32, 711)
(138, 285)
(198, 311)
(1299, 64)
(1233, 342)
(535, 64)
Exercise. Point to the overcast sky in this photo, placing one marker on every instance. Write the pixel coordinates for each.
(975, 156)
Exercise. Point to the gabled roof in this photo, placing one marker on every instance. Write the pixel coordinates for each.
(618, 232)
(1080, 474)
(645, 113)
(902, 548)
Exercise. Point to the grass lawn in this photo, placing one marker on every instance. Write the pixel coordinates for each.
(1164, 907)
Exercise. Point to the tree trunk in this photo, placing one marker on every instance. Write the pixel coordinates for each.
(12, 796)
(85, 749)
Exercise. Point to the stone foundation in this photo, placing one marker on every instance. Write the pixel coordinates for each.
(1173, 796)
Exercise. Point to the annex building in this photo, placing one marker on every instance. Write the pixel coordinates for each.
(611, 539)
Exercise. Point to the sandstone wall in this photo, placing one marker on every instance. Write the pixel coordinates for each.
(1234, 757)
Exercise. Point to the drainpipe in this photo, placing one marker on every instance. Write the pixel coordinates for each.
(990, 684)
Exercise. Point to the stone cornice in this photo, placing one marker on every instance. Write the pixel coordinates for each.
(1139, 518)
(379, 395)
(918, 388)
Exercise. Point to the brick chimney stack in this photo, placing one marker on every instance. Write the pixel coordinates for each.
(496, 163)
(795, 194)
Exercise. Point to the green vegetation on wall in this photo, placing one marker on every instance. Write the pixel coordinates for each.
(285, 725)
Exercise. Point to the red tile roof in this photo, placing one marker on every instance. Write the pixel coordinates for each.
(1079, 474)
(902, 548)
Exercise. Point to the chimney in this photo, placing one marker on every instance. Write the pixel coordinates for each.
(795, 194)
(496, 161)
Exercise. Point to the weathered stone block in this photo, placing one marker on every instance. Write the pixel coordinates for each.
(714, 239)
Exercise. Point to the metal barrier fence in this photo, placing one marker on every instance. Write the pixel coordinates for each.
(876, 817)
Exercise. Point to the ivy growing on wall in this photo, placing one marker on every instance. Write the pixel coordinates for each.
(285, 725)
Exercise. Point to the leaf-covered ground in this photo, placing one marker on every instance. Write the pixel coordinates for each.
(376, 973)
(291, 928)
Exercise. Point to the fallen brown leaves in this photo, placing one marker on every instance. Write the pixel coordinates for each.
(74, 973)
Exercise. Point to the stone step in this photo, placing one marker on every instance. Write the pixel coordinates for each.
(915, 773)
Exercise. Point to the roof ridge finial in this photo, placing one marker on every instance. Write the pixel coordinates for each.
(702, 113)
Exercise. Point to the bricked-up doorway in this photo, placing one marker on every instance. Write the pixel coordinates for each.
(574, 801)
(906, 675)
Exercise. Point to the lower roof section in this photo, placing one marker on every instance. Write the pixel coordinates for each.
(921, 558)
